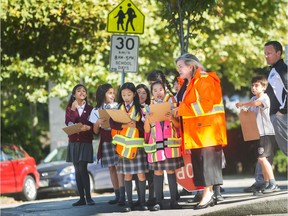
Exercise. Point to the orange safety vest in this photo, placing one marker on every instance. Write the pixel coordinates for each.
(202, 111)
(127, 140)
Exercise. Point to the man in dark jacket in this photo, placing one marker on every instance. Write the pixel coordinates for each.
(277, 92)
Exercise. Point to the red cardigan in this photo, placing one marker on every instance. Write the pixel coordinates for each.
(73, 116)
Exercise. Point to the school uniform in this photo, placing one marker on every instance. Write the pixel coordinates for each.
(139, 163)
(80, 144)
(106, 149)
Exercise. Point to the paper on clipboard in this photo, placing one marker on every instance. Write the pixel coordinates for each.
(159, 111)
(248, 125)
(72, 129)
(104, 115)
(119, 116)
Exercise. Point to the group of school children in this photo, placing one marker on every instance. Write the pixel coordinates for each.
(141, 149)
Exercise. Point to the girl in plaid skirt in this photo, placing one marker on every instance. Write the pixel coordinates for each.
(162, 156)
(106, 151)
(128, 138)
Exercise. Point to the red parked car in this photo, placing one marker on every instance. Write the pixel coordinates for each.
(19, 175)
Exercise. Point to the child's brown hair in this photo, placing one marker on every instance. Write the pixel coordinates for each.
(261, 79)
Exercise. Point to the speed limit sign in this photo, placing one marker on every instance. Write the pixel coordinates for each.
(124, 53)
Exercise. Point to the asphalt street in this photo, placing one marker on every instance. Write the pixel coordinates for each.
(235, 203)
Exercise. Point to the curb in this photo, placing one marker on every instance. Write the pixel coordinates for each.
(274, 204)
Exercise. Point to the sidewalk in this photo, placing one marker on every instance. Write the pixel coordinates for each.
(235, 203)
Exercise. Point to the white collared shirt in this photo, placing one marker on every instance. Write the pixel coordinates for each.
(130, 105)
(81, 108)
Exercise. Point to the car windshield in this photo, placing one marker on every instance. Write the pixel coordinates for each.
(58, 154)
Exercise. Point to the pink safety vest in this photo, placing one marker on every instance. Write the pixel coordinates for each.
(162, 142)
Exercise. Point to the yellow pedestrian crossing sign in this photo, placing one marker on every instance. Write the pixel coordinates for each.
(126, 18)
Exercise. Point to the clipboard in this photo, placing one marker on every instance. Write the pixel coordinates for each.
(249, 125)
(159, 110)
(104, 115)
(72, 129)
(119, 116)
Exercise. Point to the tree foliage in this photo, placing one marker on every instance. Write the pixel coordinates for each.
(185, 17)
(65, 42)
(228, 36)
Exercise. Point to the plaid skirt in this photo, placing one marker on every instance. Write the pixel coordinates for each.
(168, 164)
(109, 155)
(135, 166)
(77, 151)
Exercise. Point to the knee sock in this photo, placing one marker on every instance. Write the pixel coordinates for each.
(122, 194)
(172, 187)
(79, 183)
(142, 190)
(150, 186)
(128, 188)
(117, 194)
(85, 178)
(137, 187)
(158, 188)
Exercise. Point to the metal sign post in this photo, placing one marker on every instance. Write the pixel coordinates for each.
(123, 78)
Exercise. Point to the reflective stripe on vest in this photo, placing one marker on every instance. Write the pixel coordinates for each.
(152, 147)
(149, 148)
(197, 108)
(173, 142)
(128, 142)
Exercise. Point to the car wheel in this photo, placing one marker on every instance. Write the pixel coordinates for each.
(91, 183)
(29, 191)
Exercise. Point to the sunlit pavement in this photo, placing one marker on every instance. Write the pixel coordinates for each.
(235, 203)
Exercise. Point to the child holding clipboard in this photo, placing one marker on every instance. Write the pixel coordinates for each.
(106, 151)
(162, 145)
(128, 140)
(260, 104)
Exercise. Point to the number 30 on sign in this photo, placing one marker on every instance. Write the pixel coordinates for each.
(124, 53)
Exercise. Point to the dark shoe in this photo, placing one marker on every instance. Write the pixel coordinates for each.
(79, 203)
(156, 207)
(129, 208)
(121, 202)
(151, 202)
(90, 202)
(144, 207)
(252, 188)
(271, 189)
(112, 202)
(175, 205)
(219, 197)
(211, 203)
